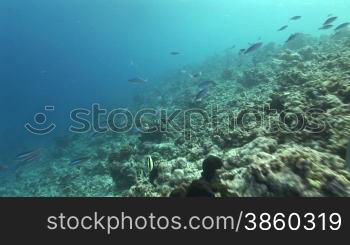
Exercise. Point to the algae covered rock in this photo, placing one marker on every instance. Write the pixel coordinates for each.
(290, 171)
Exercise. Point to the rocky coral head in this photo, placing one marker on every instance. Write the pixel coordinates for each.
(209, 166)
(199, 188)
(179, 192)
(277, 102)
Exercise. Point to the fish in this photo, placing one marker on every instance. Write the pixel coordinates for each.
(152, 169)
(28, 156)
(341, 26)
(206, 83)
(32, 158)
(325, 27)
(153, 175)
(136, 130)
(174, 53)
(24, 155)
(253, 47)
(195, 75)
(283, 28)
(296, 17)
(150, 163)
(233, 46)
(292, 37)
(330, 20)
(79, 160)
(201, 94)
(137, 80)
(241, 51)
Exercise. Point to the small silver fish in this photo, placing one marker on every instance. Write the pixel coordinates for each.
(253, 47)
(296, 17)
(283, 28)
(79, 160)
(28, 156)
(341, 26)
(292, 37)
(330, 20)
(137, 80)
(325, 27)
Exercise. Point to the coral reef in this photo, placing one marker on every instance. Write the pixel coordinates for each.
(278, 124)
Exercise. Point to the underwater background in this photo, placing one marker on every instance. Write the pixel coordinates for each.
(178, 54)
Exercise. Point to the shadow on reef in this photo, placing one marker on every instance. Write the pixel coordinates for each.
(202, 187)
(123, 174)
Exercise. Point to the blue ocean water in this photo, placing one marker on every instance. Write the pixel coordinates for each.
(73, 53)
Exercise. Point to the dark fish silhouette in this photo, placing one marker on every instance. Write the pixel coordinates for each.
(292, 37)
(283, 28)
(153, 175)
(330, 20)
(296, 17)
(325, 27)
(253, 47)
(195, 75)
(207, 83)
(341, 26)
(174, 53)
(201, 94)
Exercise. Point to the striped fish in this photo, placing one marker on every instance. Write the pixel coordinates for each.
(79, 160)
(150, 163)
(28, 156)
